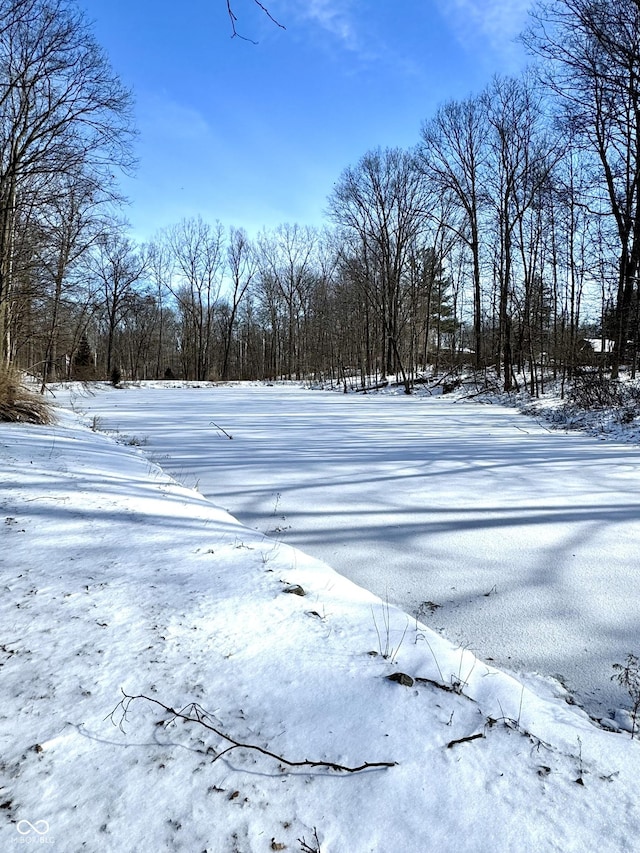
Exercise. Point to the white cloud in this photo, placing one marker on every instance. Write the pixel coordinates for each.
(496, 21)
(166, 118)
(332, 16)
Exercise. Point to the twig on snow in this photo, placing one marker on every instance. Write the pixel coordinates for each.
(465, 739)
(307, 848)
(194, 713)
(213, 423)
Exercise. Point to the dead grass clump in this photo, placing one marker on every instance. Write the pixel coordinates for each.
(18, 403)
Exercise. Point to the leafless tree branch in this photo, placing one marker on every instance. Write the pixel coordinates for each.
(234, 20)
(194, 713)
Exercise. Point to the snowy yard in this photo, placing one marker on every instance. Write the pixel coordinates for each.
(116, 576)
(521, 544)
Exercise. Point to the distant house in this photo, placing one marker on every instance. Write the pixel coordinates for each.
(595, 350)
(598, 345)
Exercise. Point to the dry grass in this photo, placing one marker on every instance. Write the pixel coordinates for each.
(17, 403)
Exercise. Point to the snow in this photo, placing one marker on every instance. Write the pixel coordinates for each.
(114, 575)
(518, 543)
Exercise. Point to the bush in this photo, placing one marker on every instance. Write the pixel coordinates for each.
(590, 390)
(17, 403)
(628, 676)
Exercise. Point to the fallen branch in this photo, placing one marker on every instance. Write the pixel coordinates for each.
(194, 713)
(213, 423)
(307, 848)
(376, 387)
(464, 739)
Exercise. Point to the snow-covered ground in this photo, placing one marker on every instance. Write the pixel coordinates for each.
(115, 576)
(519, 543)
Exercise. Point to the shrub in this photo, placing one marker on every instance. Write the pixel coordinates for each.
(628, 676)
(591, 391)
(17, 403)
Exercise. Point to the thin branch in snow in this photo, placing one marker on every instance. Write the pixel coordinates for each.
(307, 848)
(195, 713)
(465, 739)
(217, 426)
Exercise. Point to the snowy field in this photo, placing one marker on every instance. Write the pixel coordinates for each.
(519, 543)
(114, 576)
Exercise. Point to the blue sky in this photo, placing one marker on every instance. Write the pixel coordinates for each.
(255, 135)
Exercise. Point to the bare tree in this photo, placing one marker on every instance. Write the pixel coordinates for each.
(62, 110)
(453, 154)
(286, 260)
(520, 165)
(591, 53)
(159, 265)
(69, 222)
(198, 263)
(380, 207)
(242, 268)
(117, 267)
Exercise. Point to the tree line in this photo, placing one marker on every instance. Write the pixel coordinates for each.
(506, 239)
